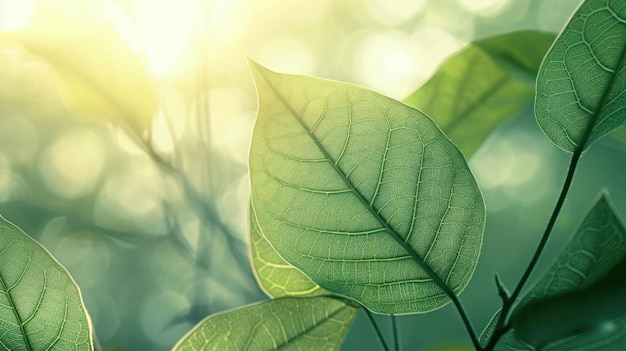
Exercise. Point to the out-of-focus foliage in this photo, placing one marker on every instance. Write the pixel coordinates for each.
(482, 86)
(103, 80)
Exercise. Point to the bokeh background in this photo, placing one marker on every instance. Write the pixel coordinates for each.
(156, 238)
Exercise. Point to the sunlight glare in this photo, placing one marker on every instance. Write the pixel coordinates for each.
(484, 7)
(386, 62)
(395, 63)
(165, 30)
(288, 54)
(226, 23)
(231, 124)
(15, 15)
(394, 12)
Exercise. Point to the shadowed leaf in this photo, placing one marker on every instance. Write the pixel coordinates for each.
(599, 243)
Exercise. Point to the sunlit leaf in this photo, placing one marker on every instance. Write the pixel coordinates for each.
(362, 193)
(102, 78)
(581, 86)
(40, 305)
(288, 323)
(275, 276)
(599, 243)
(482, 86)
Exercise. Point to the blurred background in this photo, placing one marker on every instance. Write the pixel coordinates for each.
(150, 218)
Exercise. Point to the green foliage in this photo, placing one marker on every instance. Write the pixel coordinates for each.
(287, 323)
(581, 84)
(40, 305)
(358, 200)
(363, 194)
(482, 86)
(277, 277)
(573, 296)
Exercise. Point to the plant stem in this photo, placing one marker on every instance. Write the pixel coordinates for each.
(375, 326)
(394, 327)
(501, 327)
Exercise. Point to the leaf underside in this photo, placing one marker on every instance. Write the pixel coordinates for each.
(581, 86)
(362, 193)
(40, 305)
(288, 324)
(277, 277)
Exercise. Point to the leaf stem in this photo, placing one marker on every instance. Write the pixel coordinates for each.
(376, 214)
(375, 326)
(394, 327)
(501, 326)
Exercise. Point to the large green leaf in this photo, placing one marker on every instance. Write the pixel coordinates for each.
(362, 193)
(287, 323)
(581, 86)
(482, 86)
(599, 243)
(40, 305)
(102, 78)
(275, 276)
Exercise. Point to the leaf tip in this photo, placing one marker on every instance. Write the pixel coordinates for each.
(257, 69)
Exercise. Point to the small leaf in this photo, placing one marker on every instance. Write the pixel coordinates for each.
(572, 313)
(362, 193)
(581, 86)
(276, 277)
(40, 305)
(288, 323)
(599, 243)
(482, 86)
(102, 78)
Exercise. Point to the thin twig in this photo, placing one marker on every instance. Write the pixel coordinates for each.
(394, 328)
(375, 326)
(501, 326)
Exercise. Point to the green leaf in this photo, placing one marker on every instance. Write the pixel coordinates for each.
(102, 78)
(287, 323)
(276, 277)
(482, 86)
(581, 86)
(363, 194)
(599, 243)
(40, 305)
(572, 313)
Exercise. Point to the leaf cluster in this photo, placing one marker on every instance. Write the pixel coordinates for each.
(359, 201)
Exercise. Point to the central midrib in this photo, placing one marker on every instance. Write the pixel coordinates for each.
(397, 237)
(18, 318)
